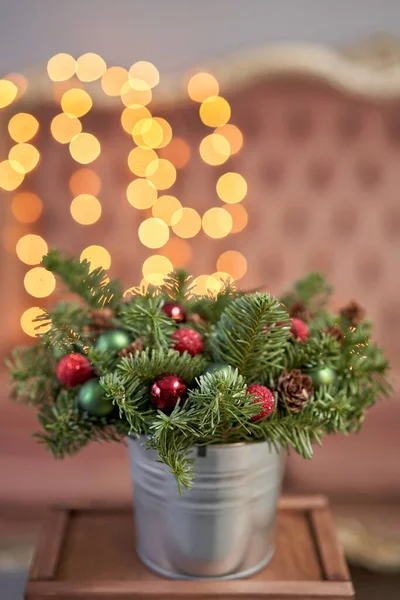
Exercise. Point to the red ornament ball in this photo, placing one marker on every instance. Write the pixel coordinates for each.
(265, 398)
(299, 330)
(175, 311)
(189, 340)
(166, 391)
(74, 369)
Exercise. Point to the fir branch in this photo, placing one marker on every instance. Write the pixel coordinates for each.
(177, 287)
(144, 318)
(66, 322)
(313, 291)
(211, 307)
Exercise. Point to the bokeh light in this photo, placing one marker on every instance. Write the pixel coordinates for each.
(131, 116)
(140, 158)
(161, 173)
(10, 179)
(217, 222)
(143, 75)
(85, 148)
(98, 256)
(85, 181)
(153, 233)
(217, 282)
(90, 66)
(22, 127)
(23, 157)
(61, 67)
(239, 217)
(31, 248)
(39, 282)
(148, 133)
(232, 262)
(177, 152)
(214, 149)
(156, 268)
(200, 285)
(28, 324)
(201, 86)
(76, 102)
(231, 187)
(113, 80)
(20, 81)
(233, 135)
(133, 98)
(26, 207)
(64, 128)
(215, 111)
(186, 222)
(8, 92)
(85, 209)
(166, 132)
(178, 251)
(165, 207)
(141, 194)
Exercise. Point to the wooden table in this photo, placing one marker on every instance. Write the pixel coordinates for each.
(88, 554)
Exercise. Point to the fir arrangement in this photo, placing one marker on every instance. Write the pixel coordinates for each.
(189, 370)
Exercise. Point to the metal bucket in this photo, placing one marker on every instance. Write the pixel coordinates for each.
(223, 528)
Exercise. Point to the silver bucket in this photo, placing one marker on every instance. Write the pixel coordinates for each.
(223, 528)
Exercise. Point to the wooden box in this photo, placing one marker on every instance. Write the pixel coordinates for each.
(87, 554)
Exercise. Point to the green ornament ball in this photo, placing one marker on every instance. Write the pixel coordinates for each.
(219, 368)
(113, 341)
(322, 376)
(92, 399)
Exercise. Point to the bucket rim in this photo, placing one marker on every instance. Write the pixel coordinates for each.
(220, 445)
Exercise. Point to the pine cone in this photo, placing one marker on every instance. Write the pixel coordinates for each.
(295, 389)
(298, 310)
(335, 332)
(353, 312)
(132, 348)
(100, 320)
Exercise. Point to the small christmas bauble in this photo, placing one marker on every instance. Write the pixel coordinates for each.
(74, 369)
(112, 341)
(91, 398)
(175, 311)
(299, 330)
(265, 398)
(166, 391)
(187, 340)
(322, 376)
(219, 368)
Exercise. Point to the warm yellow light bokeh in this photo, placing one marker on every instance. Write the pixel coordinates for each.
(31, 249)
(90, 66)
(161, 173)
(217, 222)
(133, 98)
(232, 262)
(166, 132)
(76, 102)
(153, 233)
(201, 86)
(20, 81)
(22, 127)
(85, 148)
(64, 128)
(156, 268)
(85, 209)
(131, 116)
(26, 207)
(10, 179)
(85, 181)
(233, 135)
(147, 133)
(217, 282)
(140, 158)
(113, 80)
(143, 75)
(61, 67)
(141, 194)
(164, 208)
(8, 92)
(239, 217)
(200, 285)
(39, 282)
(98, 256)
(214, 149)
(231, 187)
(177, 151)
(215, 111)
(23, 157)
(178, 251)
(186, 222)
(28, 325)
